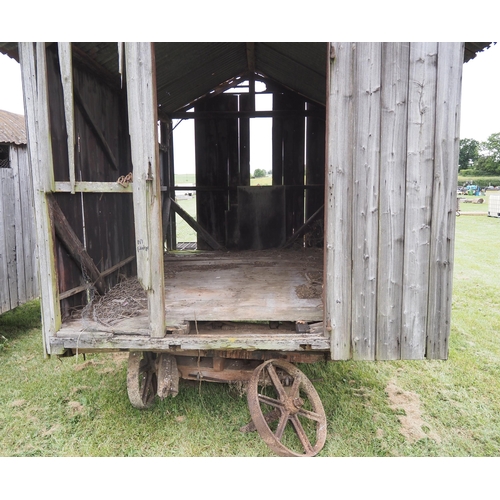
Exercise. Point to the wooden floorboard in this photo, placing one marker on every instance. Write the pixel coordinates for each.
(229, 286)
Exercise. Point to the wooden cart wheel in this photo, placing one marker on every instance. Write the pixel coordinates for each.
(141, 379)
(286, 409)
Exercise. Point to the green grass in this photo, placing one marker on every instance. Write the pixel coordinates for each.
(470, 203)
(185, 233)
(79, 407)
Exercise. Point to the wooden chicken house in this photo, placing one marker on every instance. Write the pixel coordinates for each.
(347, 255)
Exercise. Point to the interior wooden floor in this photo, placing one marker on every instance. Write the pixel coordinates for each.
(244, 286)
(251, 286)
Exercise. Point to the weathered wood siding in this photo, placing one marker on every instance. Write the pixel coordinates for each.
(393, 118)
(90, 143)
(18, 276)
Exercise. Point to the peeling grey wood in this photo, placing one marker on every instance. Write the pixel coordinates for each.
(143, 126)
(365, 198)
(392, 198)
(419, 179)
(9, 228)
(17, 246)
(276, 342)
(66, 68)
(20, 277)
(338, 217)
(389, 253)
(92, 187)
(40, 153)
(29, 229)
(5, 302)
(449, 81)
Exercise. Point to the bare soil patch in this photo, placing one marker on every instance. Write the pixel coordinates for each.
(412, 423)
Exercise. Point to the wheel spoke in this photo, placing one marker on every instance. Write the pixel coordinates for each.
(301, 434)
(270, 401)
(276, 381)
(294, 390)
(282, 424)
(311, 415)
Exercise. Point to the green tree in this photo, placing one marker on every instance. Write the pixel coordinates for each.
(489, 155)
(259, 172)
(469, 153)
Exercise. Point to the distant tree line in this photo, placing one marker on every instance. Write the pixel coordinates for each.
(260, 172)
(480, 158)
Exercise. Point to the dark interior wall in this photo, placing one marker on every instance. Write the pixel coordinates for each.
(216, 165)
(107, 218)
(223, 164)
(315, 159)
(289, 156)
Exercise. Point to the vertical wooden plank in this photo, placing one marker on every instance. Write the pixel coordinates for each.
(365, 199)
(142, 112)
(17, 203)
(66, 67)
(338, 215)
(29, 229)
(394, 118)
(277, 141)
(39, 147)
(216, 157)
(449, 83)
(419, 178)
(5, 175)
(291, 147)
(247, 103)
(7, 190)
(168, 180)
(315, 159)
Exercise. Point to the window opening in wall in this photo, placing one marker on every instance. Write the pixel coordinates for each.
(185, 181)
(4, 156)
(261, 141)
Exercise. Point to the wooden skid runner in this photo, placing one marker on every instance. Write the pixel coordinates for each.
(86, 342)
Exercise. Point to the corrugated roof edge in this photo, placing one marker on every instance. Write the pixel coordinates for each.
(12, 128)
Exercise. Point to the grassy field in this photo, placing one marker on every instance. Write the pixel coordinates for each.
(79, 406)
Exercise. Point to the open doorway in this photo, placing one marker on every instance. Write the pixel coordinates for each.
(249, 168)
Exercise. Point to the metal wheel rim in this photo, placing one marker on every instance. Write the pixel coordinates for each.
(141, 379)
(281, 409)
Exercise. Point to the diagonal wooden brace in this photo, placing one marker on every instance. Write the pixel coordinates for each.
(73, 244)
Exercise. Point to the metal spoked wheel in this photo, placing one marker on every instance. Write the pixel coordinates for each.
(286, 410)
(141, 379)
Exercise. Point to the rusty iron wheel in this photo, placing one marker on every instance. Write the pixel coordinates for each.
(141, 379)
(286, 409)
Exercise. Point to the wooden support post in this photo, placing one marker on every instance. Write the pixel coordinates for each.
(338, 220)
(34, 78)
(143, 126)
(66, 65)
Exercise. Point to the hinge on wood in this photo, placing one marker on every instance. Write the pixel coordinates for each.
(332, 52)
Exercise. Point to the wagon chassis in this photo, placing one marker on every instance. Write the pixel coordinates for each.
(284, 407)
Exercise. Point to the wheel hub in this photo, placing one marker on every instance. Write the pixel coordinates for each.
(293, 405)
